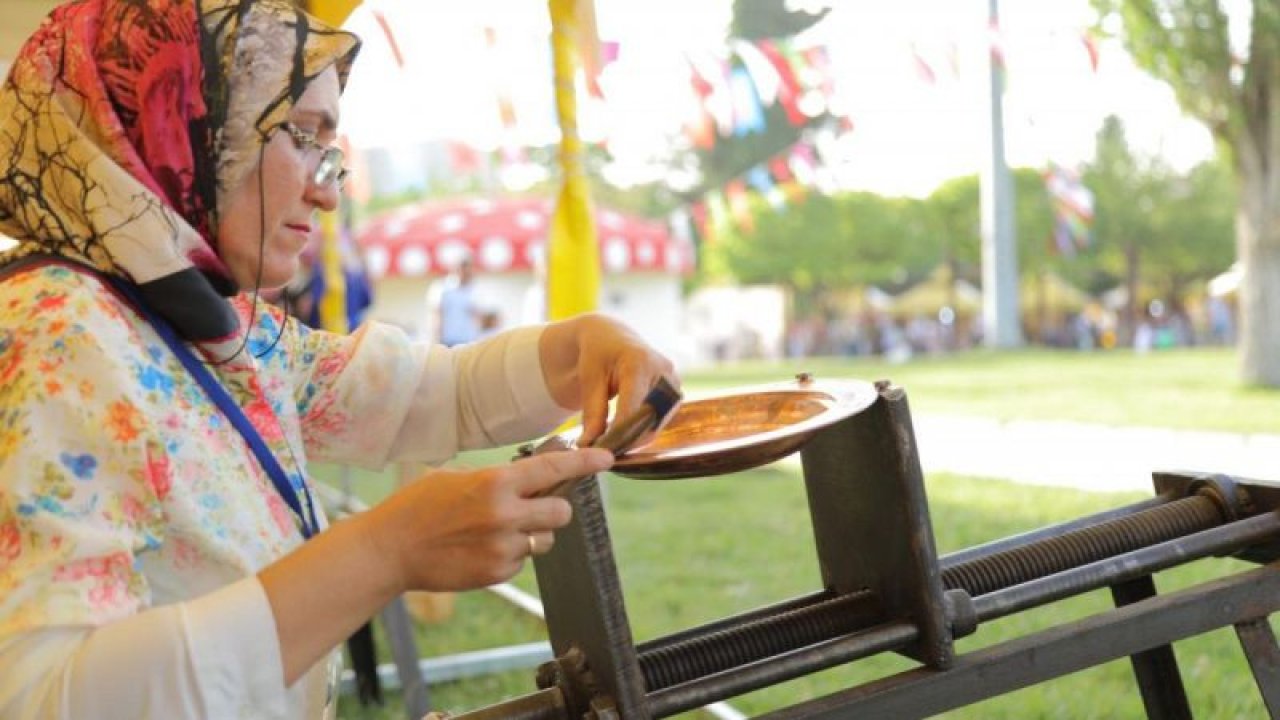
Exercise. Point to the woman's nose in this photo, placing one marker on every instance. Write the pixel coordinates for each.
(326, 196)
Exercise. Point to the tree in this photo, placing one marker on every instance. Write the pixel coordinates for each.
(829, 243)
(953, 209)
(1187, 44)
(1195, 227)
(1124, 191)
(1155, 228)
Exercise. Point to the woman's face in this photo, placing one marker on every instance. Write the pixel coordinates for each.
(272, 213)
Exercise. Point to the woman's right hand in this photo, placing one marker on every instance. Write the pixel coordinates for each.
(459, 530)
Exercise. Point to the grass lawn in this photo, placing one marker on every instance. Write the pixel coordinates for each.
(1197, 388)
(744, 540)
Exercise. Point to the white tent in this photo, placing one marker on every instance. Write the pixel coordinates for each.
(1227, 283)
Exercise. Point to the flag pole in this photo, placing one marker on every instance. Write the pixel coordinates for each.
(1000, 327)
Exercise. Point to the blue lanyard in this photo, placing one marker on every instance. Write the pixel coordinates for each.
(232, 411)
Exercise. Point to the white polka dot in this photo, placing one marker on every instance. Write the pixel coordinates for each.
(496, 253)
(646, 254)
(535, 252)
(530, 220)
(675, 258)
(480, 206)
(413, 262)
(395, 226)
(377, 259)
(450, 253)
(610, 219)
(617, 255)
(451, 223)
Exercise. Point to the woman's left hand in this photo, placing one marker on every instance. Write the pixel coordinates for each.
(589, 359)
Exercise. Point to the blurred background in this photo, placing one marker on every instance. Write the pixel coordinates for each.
(1055, 224)
(781, 179)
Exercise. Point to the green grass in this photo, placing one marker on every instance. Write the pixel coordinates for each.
(695, 550)
(1183, 389)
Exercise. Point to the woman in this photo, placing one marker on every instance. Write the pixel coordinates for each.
(160, 162)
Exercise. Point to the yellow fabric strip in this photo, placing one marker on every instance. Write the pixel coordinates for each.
(333, 304)
(573, 257)
(332, 12)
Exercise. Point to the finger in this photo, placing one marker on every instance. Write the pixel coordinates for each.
(542, 542)
(595, 409)
(545, 513)
(631, 394)
(545, 471)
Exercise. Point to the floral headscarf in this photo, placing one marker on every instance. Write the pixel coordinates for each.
(124, 123)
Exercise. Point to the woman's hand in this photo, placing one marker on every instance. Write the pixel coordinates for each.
(589, 359)
(459, 530)
(448, 531)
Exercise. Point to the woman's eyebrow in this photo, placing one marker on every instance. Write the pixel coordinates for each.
(326, 119)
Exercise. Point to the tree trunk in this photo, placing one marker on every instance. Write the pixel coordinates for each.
(1258, 249)
(1132, 314)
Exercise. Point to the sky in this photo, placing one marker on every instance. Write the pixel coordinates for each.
(909, 135)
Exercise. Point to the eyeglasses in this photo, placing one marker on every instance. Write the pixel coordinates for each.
(330, 169)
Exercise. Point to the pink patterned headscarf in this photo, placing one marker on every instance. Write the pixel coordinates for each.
(125, 123)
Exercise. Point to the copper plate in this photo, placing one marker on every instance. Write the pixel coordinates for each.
(743, 428)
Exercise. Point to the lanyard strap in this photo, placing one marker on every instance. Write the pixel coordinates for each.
(289, 491)
(295, 496)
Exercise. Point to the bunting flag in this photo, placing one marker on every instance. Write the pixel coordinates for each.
(748, 114)
(995, 39)
(390, 37)
(733, 90)
(1072, 204)
(764, 78)
(502, 89)
(718, 220)
(573, 256)
(789, 89)
(782, 180)
(1090, 47)
(923, 69)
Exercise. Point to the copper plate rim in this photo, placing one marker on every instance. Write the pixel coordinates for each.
(844, 398)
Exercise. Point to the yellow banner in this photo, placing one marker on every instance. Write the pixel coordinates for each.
(333, 12)
(333, 304)
(573, 256)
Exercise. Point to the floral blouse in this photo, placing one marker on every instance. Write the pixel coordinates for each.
(123, 487)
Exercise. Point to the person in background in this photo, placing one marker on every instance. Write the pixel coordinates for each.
(460, 316)
(161, 556)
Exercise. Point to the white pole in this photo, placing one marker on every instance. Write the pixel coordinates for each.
(1000, 324)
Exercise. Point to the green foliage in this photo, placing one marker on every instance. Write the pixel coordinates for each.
(1186, 44)
(954, 209)
(829, 243)
(759, 19)
(1161, 229)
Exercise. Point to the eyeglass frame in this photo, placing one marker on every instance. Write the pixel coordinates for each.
(330, 168)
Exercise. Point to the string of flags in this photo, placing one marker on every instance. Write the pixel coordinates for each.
(733, 89)
(782, 180)
(1072, 205)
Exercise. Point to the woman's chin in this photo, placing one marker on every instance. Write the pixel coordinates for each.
(275, 275)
